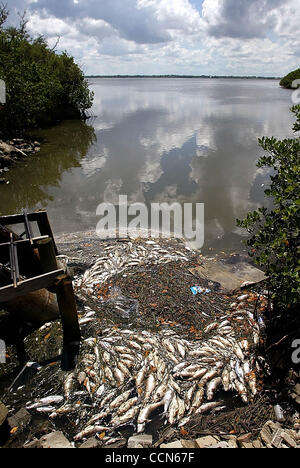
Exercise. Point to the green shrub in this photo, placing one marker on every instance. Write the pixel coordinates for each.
(274, 241)
(42, 86)
(287, 81)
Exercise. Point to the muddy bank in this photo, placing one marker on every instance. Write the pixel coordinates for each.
(14, 150)
(179, 365)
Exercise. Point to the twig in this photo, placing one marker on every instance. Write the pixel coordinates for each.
(278, 343)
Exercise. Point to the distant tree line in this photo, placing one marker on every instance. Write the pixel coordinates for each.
(186, 76)
(287, 81)
(42, 86)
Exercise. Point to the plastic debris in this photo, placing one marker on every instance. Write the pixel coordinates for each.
(198, 290)
(279, 413)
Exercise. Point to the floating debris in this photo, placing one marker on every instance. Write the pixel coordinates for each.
(198, 290)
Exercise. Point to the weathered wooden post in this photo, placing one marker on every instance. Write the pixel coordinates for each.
(66, 304)
(69, 318)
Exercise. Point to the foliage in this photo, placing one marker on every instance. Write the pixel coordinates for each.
(275, 232)
(287, 81)
(42, 86)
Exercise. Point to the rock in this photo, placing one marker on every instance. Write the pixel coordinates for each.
(257, 444)
(55, 440)
(266, 435)
(144, 440)
(90, 443)
(118, 444)
(220, 445)
(243, 439)
(34, 444)
(246, 445)
(277, 439)
(288, 439)
(172, 445)
(167, 434)
(229, 437)
(232, 444)
(230, 277)
(3, 413)
(189, 444)
(21, 419)
(268, 432)
(205, 442)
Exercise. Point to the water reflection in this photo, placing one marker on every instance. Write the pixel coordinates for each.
(63, 148)
(157, 140)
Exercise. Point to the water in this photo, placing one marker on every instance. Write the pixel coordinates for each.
(157, 140)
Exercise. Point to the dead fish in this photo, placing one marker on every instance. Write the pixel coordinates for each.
(126, 406)
(140, 377)
(125, 418)
(173, 410)
(150, 385)
(91, 430)
(120, 399)
(63, 410)
(69, 384)
(47, 401)
(97, 417)
(226, 380)
(212, 387)
(184, 421)
(167, 399)
(208, 407)
(210, 327)
(119, 376)
(197, 401)
(45, 409)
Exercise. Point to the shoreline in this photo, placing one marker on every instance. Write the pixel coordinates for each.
(14, 150)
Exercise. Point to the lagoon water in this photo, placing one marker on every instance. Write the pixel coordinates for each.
(157, 140)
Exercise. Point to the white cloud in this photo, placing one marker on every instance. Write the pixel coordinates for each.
(171, 36)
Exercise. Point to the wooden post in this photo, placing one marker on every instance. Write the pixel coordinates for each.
(69, 318)
(45, 228)
(47, 255)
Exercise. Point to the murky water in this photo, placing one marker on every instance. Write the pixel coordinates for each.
(156, 140)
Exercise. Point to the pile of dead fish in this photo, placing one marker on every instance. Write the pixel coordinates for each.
(123, 257)
(125, 376)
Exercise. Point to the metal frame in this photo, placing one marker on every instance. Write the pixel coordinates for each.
(51, 278)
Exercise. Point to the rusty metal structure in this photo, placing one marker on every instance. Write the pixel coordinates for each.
(32, 284)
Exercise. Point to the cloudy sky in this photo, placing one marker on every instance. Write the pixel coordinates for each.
(235, 37)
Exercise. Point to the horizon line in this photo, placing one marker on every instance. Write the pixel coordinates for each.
(180, 76)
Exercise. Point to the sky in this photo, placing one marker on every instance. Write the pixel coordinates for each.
(211, 37)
